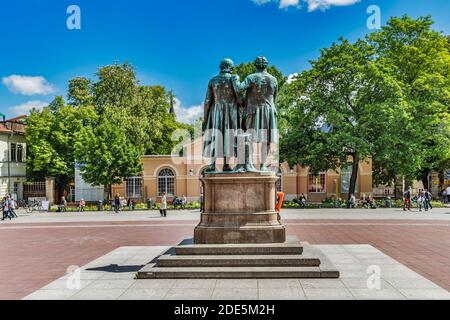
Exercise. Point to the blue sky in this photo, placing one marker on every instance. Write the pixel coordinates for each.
(175, 43)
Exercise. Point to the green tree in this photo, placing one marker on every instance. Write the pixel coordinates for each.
(50, 136)
(143, 112)
(418, 58)
(385, 97)
(336, 110)
(80, 92)
(106, 156)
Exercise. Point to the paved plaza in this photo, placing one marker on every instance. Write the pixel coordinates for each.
(410, 249)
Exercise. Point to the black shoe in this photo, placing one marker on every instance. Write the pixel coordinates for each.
(211, 168)
(227, 168)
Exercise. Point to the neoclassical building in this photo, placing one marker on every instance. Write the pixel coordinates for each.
(12, 157)
(178, 176)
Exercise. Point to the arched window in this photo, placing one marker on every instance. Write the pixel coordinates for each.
(317, 183)
(166, 182)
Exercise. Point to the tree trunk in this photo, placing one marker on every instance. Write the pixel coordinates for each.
(424, 177)
(107, 192)
(354, 177)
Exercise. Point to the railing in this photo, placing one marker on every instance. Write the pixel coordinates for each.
(34, 189)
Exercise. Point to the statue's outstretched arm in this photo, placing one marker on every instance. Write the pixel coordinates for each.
(240, 86)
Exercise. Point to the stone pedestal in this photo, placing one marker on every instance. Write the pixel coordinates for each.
(239, 208)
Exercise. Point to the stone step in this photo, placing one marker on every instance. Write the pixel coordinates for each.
(240, 249)
(167, 261)
(151, 272)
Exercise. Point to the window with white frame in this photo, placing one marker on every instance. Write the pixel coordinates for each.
(134, 187)
(17, 153)
(20, 156)
(166, 182)
(317, 183)
(13, 151)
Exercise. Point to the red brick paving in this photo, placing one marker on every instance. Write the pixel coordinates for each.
(32, 257)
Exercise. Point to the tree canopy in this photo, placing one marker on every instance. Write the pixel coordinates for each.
(384, 97)
(51, 135)
(101, 118)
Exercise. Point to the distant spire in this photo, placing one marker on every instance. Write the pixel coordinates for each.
(171, 102)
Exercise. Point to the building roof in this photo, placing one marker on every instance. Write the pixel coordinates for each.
(15, 125)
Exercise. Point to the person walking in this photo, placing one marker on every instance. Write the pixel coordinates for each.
(5, 210)
(427, 198)
(117, 203)
(407, 199)
(12, 208)
(420, 201)
(163, 208)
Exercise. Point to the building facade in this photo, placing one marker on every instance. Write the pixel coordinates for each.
(178, 176)
(12, 157)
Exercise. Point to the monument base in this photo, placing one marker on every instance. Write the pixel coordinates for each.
(239, 208)
(243, 234)
(240, 261)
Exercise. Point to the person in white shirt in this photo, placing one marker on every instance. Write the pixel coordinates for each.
(184, 201)
(163, 208)
(448, 194)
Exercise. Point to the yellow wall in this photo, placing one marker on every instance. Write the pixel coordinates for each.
(188, 169)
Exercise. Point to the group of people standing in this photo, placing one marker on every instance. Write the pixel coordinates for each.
(422, 200)
(8, 205)
(118, 203)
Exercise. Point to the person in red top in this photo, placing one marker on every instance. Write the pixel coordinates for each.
(280, 199)
(407, 199)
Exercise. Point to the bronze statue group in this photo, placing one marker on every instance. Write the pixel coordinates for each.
(238, 115)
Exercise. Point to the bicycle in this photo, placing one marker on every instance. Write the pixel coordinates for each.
(34, 206)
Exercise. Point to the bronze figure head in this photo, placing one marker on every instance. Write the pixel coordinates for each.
(261, 63)
(226, 65)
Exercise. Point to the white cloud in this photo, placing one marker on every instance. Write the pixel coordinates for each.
(259, 2)
(26, 107)
(326, 4)
(312, 4)
(28, 85)
(187, 115)
(289, 3)
(283, 4)
(292, 77)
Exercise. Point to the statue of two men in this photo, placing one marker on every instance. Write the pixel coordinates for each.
(223, 126)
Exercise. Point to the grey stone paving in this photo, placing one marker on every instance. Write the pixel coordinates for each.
(111, 277)
(151, 216)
